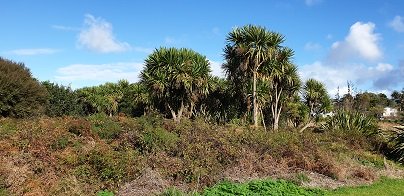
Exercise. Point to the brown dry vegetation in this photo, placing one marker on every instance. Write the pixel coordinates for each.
(132, 156)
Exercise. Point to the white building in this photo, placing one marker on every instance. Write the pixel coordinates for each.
(390, 112)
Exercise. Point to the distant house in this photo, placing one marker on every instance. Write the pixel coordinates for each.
(389, 112)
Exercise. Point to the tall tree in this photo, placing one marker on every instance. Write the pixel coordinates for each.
(62, 100)
(252, 45)
(21, 95)
(316, 97)
(284, 81)
(177, 78)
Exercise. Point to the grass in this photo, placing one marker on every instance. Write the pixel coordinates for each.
(383, 187)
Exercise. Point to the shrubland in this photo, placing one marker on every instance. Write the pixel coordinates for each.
(85, 155)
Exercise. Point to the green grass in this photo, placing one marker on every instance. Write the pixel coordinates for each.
(383, 187)
(255, 187)
(388, 187)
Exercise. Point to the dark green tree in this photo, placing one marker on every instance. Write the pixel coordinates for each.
(176, 79)
(250, 46)
(61, 101)
(21, 95)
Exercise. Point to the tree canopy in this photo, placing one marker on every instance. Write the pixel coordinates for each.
(20, 94)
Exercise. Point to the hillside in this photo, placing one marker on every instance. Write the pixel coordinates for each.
(136, 156)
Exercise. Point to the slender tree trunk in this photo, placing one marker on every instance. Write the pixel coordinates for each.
(191, 111)
(277, 108)
(255, 104)
(180, 111)
(172, 113)
(177, 116)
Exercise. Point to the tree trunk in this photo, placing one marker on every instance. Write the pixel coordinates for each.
(255, 104)
(180, 111)
(172, 113)
(177, 116)
(306, 126)
(277, 108)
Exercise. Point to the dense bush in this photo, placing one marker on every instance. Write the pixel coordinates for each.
(347, 121)
(61, 100)
(20, 94)
(104, 126)
(399, 146)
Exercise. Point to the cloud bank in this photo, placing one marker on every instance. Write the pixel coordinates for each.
(97, 36)
(100, 72)
(359, 59)
(361, 42)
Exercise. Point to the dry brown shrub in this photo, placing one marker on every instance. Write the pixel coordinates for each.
(79, 127)
(149, 183)
(364, 173)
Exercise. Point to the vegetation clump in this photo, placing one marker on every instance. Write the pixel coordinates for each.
(20, 94)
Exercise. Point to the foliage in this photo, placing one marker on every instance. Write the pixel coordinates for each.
(176, 79)
(104, 126)
(398, 98)
(104, 98)
(247, 48)
(371, 104)
(20, 94)
(315, 96)
(283, 82)
(260, 187)
(61, 100)
(105, 193)
(398, 141)
(351, 122)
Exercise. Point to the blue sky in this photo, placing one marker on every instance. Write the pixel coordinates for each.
(88, 42)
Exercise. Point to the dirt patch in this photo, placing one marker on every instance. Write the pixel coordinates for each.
(149, 183)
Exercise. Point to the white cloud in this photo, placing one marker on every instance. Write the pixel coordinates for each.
(360, 42)
(65, 28)
(100, 73)
(332, 77)
(216, 67)
(97, 36)
(384, 67)
(312, 2)
(310, 46)
(357, 58)
(397, 24)
(33, 51)
(382, 76)
(390, 78)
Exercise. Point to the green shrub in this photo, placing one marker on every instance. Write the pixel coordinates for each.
(398, 141)
(173, 192)
(159, 139)
(260, 187)
(60, 143)
(346, 121)
(8, 127)
(83, 173)
(105, 127)
(20, 94)
(61, 100)
(105, 193)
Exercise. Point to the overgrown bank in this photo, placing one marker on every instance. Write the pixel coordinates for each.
(81, 156)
